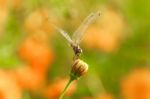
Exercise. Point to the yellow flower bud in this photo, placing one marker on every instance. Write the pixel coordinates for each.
(79, 68)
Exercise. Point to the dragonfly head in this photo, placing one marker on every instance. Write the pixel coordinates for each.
(77, 50)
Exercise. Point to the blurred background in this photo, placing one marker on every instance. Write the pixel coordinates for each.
(35, 60)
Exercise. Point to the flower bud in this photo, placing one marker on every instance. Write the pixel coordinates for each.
(79, 68)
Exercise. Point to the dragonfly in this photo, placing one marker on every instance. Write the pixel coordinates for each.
(78, 35)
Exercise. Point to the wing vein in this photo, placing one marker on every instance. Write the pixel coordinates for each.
(79, 33)
(64, 34)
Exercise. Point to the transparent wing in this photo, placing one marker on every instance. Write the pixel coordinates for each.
(79, 33)
(64, 34)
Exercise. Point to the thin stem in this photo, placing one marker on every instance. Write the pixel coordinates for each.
(65, 89)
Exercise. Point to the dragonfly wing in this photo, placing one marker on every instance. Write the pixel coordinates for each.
(64, 34)
(79, 33)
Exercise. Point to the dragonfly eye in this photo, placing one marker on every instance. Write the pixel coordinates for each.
(79, 50)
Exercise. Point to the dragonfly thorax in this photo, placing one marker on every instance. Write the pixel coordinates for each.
(77, 50)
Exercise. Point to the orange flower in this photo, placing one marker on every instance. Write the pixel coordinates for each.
(107, 32)
(39, 20)
(105, 96)
(9, 89)
(3, 3)
(37, 53)
(136, 85)
(101, 39)
(3, 15)
(16, 4)
(10, 4)
(55, 89)
(28, 78)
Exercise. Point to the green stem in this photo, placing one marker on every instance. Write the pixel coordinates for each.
(65, 89)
